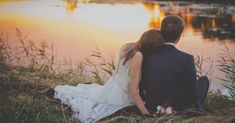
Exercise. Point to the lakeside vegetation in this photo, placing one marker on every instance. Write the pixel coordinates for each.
(28, 74)
(204, 1)
(131, 1)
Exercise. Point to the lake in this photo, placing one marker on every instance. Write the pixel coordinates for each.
(75, 27)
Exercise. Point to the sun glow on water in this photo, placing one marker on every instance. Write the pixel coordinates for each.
(71, 5)
(118, 17)
(156, 15)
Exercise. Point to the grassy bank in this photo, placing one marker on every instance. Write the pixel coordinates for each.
(26, 94)
(23, 100)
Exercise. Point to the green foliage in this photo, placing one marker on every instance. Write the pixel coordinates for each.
(21, 103)
(24, 108)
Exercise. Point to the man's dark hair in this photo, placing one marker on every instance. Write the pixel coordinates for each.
(172, 27)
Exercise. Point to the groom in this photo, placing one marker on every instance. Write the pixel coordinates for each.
(169, 75)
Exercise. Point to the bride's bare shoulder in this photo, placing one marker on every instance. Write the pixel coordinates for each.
(138, 56)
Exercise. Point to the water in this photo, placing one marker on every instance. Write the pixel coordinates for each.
(75, 27)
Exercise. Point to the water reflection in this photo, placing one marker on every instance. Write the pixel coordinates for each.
(214, 21)
(221, 28)
(71, 5)
(233, 18)
(156, 15)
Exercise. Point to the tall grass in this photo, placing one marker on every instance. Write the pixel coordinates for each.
(100, 67)
(201, 70)
(227, 66)
(5, 57)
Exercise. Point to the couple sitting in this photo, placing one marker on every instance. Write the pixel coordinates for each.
(149, 73)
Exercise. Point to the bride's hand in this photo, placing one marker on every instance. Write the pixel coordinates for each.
(144, 112)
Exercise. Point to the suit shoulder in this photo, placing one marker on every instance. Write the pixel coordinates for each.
(186, 55)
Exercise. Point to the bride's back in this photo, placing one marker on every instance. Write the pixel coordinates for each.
(116, 89)
(121, 75)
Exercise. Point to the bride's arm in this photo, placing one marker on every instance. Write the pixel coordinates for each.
(135, 70)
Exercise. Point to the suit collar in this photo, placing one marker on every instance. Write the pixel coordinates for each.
(162, 48)
(168, 46)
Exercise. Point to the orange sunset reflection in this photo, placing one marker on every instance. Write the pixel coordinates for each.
(233, 18)
(71, 5)
(156, 15)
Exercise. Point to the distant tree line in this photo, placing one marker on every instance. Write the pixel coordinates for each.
(205, 1)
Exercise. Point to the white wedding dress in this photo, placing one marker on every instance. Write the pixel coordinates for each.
(92, 102)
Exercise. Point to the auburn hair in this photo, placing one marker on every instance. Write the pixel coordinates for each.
(148, 41)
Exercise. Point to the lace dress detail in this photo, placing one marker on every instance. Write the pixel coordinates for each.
(92, 102)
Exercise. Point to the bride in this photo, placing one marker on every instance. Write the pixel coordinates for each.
(92, 102)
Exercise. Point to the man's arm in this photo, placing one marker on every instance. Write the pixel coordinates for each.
(190, 80)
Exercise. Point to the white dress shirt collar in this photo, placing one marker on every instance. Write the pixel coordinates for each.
(169, 43)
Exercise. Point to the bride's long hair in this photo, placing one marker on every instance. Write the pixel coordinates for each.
(148, 41)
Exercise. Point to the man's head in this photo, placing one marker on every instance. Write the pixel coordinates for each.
(171, 28)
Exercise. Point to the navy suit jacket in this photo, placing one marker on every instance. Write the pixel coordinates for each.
(168, 75)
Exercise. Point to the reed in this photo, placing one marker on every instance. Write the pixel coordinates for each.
(200, 63)
(227, 66)
(100, 67)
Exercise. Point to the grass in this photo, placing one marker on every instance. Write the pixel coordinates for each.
(227, 66)
(21, 101)
(26, 96)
